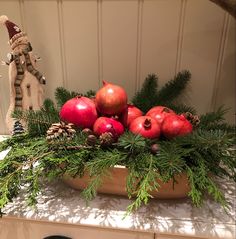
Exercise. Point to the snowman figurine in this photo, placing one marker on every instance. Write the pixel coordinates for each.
(26, 82)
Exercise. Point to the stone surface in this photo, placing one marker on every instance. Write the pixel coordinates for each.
(58, 203)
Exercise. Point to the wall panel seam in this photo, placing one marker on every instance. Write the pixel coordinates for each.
(139, 44)
(220, 59)
(23, 14)
(99, 42)
(2, 116)
(180, 36)
(62, 43)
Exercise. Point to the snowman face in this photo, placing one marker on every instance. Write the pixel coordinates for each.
(19, 44)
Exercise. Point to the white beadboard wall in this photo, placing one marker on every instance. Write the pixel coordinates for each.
(82, 42)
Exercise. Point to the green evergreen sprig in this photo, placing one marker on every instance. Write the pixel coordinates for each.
(206, 153)
(141, 183)
(150, 95)
(62, 95)
(216, 120)
(173, 88)
(38, 121)
(147, 96)
(199, 154)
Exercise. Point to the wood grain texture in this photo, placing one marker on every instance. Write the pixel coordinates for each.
(115, 184)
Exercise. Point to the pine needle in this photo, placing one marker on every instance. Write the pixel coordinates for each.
(147, 96)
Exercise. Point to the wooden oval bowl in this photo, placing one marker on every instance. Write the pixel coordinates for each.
(116, 184)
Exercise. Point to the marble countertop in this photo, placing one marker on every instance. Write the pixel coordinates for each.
(59, 203)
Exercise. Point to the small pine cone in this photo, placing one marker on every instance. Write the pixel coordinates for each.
(87, 131)
(106, 139)
(155, 148)
(194, 119)
(188, 115)
(91, 140)
(18, 128)
(60, 131)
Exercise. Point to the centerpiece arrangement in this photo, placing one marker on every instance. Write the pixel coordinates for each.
(159, 143)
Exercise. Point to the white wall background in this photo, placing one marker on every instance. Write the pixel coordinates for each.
(82, 42)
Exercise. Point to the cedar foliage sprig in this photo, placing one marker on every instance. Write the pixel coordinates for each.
(207, 151)
(141, 183)
(200, 154)
(16, 167)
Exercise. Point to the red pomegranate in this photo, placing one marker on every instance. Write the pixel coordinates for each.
(159, 113)
(81, 111)
(129, 114)
(111, 99)
(105, 124)
(175, 125)
(145, 126)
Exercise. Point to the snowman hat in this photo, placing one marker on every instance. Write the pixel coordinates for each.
(13, 30)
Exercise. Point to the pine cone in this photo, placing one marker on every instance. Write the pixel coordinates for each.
(155, 148)
(91, 140)
(87, 131)
(106, 139)
(60, 131)
(194, 119)
(18, 128)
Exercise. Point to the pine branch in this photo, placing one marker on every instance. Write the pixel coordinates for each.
(49, 106)
(170, 161)
(132, 143)
(90, 94)
(147, 96)
(173, 88)
(181, 108)
(62, 95)
(202, 153)
(216, 120)
(39, 121)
